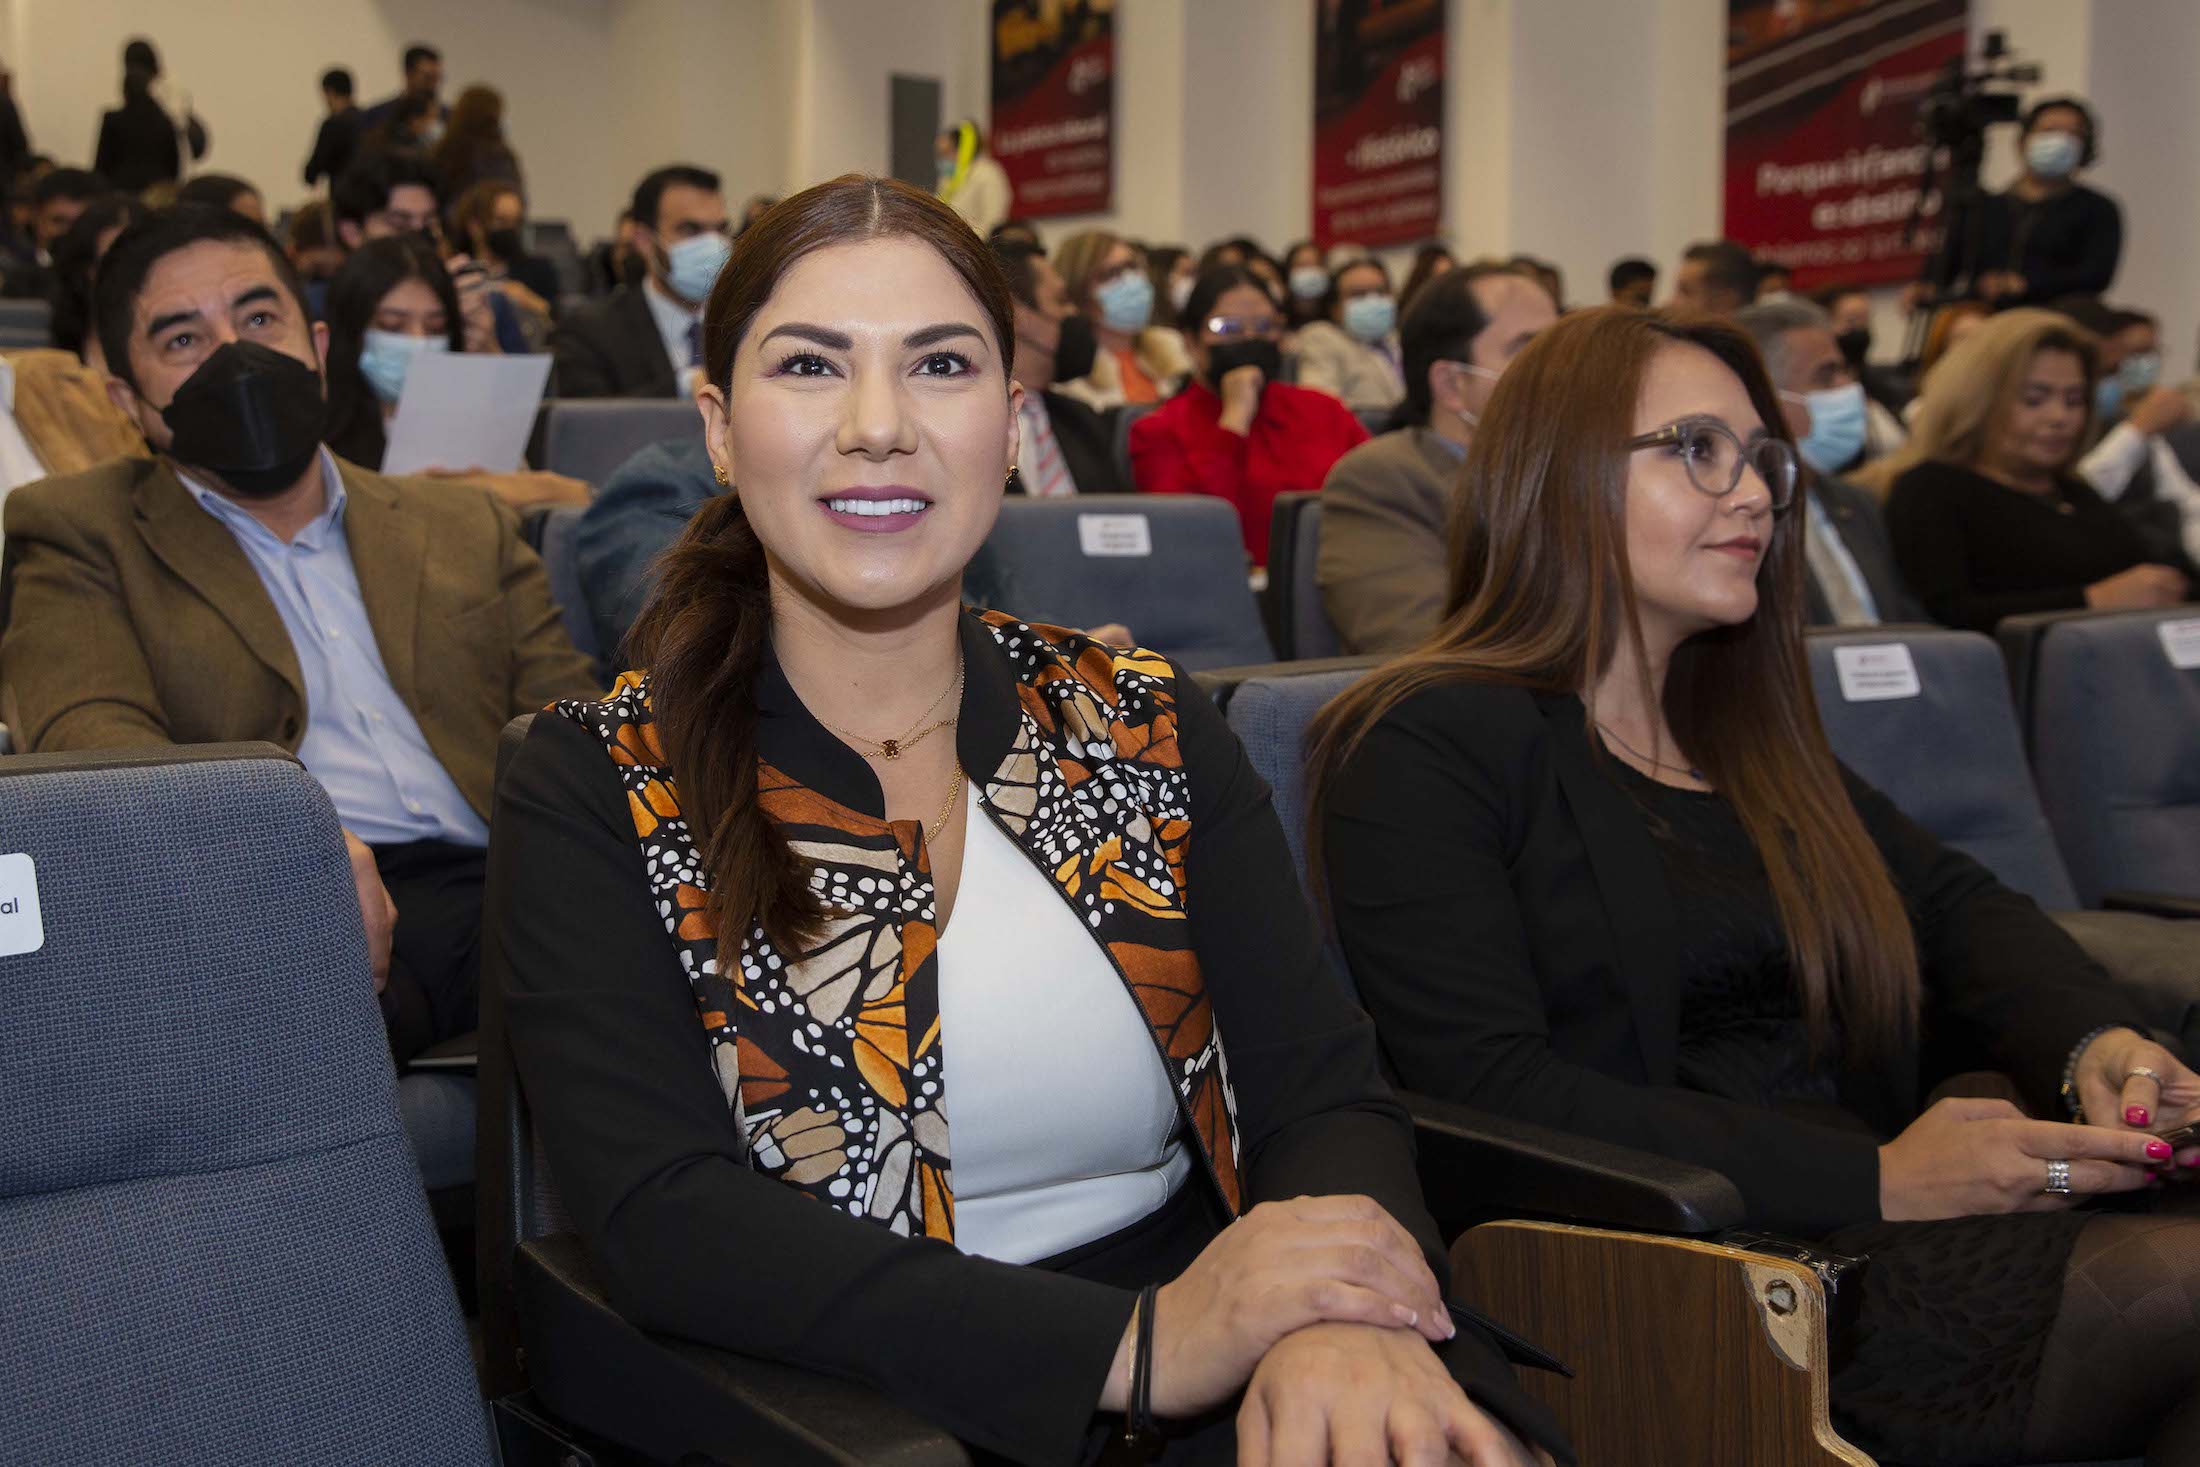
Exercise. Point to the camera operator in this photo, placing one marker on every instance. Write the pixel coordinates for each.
(2049, 236)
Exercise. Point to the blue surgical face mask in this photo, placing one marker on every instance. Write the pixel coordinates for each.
(2108, 399)
(2053, 154)
(1309, 282)
(1126, 302)
(386, 356)
(2139, 373)
(1837, 419)
(692, 265)
(1368, 318)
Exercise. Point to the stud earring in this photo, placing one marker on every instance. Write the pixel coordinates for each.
(720, 471)
(1010, 476)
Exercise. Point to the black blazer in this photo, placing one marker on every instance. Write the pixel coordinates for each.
(610, 348)
(649, 1160)
(1504, 911)
(1086, 437)
(1855, 516)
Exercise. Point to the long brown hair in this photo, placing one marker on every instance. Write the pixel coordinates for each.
(1541, 594)
(704, 632)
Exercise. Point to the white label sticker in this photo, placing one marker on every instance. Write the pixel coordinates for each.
(2181, 640)
(1114, 534)
(1875, 674)
(21, 928)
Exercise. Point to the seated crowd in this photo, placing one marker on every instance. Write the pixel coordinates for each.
(1581, 841)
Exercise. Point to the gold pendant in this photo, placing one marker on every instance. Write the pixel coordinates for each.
(889, 749)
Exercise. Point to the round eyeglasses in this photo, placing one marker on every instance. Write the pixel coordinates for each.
(1715, 458)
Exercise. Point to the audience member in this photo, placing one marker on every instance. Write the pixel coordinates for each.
(1350, 351)
(76, 255)
(1140, 360)
(616, 261)
(1633, 282)
(1951, 323)
(1063, 446)
(1429, 261)
(411, 129)
(311, 244)
(384, 194)
(225, 191)
(629, 525)
(57, 201)
(647, 340)
(55, 420)
(15, 143)
(473, 149)
(1386, 506)
(1593, 867)
(1851, 578)
(1172, 270)
(972, 180)
(1987, 514)
(423, 71)
(1848, 310)
(781, 626)
(757, 207)
(1235, 431)
(336, 142)
(1717, 278)
(489, 223)
(1022, 230)
(248, 586)
(2048, 235)
(138, 142)
(1773, 280)
(1306, 283)
(2135, 464)
(1554, 284)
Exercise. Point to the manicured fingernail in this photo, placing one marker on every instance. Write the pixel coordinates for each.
(2193, 1160)
(1407, 1317)
(1451, 1326)
(2136, 1115)
(2159, 1150)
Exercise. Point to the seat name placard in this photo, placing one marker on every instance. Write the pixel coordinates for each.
(22, 930)
(1114, 534)
(1877, 673)
(2181, 640)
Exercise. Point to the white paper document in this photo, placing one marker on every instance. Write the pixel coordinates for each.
(463, 410)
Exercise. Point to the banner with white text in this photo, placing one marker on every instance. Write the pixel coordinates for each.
(1378, 121)
(1824, 166)
(1053, 124)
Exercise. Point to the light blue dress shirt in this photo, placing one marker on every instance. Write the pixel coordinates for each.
(362, 743)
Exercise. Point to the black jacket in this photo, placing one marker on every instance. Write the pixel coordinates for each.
(1856, 519)
(1087, 440)
(137, 145)
(649, 1159)
(1504, 910)
(610, 348)
(2068, 244)
(334, 146)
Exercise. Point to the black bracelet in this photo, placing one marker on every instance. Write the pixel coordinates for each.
(1140, 1430)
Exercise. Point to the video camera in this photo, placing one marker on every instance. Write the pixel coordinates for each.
(1966, 102)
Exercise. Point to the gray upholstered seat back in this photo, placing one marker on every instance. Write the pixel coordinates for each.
(589, 437)
(1169, 566)
(213, 1242)
(1948, 754)
(2116, 748)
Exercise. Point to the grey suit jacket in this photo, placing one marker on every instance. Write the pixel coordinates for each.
(1856, 519)
(1383, 569)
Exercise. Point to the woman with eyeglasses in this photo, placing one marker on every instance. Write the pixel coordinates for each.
(1592, 865)
(1351, 350)
(1235, 431)
(1140, 359)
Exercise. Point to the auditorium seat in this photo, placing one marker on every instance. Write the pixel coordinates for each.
(1298, 620)
(560, 531)
(25, 324)
(213, 1241)
(553, 240)
(2113, 723)
(565, 1372)
(1171, 567)
(1377, 421)
(1124, 417)
(587, 438)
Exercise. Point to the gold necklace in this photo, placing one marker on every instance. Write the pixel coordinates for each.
(1694, 774)
(954, 789)
(896, 747)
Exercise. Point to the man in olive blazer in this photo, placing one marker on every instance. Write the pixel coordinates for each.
(245, 584)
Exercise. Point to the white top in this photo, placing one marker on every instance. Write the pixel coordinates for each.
(2115, 461)
(985, 197)
(673, 322)
(1060, 1117)
(19, 463)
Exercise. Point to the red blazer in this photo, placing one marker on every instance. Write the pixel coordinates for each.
(1181, 447)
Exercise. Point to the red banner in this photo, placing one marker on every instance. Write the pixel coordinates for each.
(1054, 104)
(1378, 121)
(1824, 166)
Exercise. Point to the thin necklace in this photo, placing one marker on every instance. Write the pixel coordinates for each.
(954, 789)
(1694, 774)
(896, 747)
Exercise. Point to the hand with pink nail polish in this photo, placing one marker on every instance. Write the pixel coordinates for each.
(2127, 1082)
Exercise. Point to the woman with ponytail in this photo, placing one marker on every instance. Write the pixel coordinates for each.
(1593, 865)
(845, 880)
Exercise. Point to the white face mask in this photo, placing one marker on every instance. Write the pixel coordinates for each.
(1468, 416)
(2053, 154)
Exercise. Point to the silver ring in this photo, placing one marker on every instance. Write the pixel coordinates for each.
(2137, 1072)
(2058, 1179)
